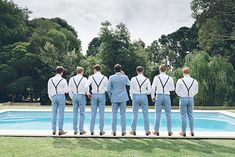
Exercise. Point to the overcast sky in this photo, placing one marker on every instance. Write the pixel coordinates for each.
(145, 19)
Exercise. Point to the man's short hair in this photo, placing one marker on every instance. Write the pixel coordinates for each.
(163, 68)
(59, 69)
(140, 69)
(186, 70)
(97, 67)
(117, 68)
(79, 70)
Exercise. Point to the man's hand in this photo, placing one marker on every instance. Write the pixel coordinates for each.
(122, 72)
(89, 95)
(153, 99)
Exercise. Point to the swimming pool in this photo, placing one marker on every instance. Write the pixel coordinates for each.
(41, 120)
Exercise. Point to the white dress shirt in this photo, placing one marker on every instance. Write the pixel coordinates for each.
(182, 90)
(157, 87)
(135, 86)
(77, 85)
(60, 82)
(97, 79)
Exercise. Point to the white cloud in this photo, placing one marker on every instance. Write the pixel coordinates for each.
(147, 19)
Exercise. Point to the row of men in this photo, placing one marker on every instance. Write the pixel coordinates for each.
(115, 86)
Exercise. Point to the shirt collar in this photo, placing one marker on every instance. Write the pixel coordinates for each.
(58, 75)
(162, 73)
(118, 73)
(187, 75)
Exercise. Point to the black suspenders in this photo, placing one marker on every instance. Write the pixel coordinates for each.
(140, 85)
(77, 85)
(98, 85)
(163, 85)
(187, 86)
(56, 85)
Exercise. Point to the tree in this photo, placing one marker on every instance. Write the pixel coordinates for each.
(13, 25)
(215, 76)
(93, 47)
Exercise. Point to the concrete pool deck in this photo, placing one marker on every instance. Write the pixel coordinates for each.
(140, 134)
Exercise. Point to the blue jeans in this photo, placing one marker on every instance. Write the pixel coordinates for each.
(79, 101)
(163, 101)
(115, 106)
(140, 100)
(98, 100)
(186, 109)
(58, 104)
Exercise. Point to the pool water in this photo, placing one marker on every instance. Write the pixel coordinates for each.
(41, 120)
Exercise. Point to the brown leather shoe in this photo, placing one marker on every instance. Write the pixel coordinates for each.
(170, 133)
(83, 132)
(102, 133)
(156, 133)
(123, 133)
(182, 133)
(54, 132)
(148, 133)
(62, 132)
(75, 132)
(132, 133)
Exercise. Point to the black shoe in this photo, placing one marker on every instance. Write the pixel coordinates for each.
(92, 133)
(124, 133)
(170, 133)
(182, 133)
(114, 133)
(133, 133)
(102, 133)
(148, 133)
(75, 132)
(156, 133)
(83, 132)
(62, 132)
(192, 133)
(54, 132)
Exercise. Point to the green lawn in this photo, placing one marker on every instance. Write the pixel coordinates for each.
(56, 147)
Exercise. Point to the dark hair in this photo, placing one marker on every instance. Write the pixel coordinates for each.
(163, 68)
(117, 68)
(97, 67)
(59, 69)
(140, 69)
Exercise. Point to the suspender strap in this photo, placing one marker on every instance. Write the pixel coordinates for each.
(98, 85)
(188, 88)
(163, 85)
(77, 85)
(56, 85)
(140, 85)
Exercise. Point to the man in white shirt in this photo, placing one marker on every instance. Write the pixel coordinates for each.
(78, 89)
(98, 84)
(57, 87)
(186, 89)
(162, 86)
(140, 87)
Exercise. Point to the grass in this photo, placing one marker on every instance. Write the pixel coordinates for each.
(97, 147)
(56, 147)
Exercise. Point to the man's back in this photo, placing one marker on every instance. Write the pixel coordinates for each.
(117, 87)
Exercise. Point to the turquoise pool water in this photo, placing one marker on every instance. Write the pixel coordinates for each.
(41, 120)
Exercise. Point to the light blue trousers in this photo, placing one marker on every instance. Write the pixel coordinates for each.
(186, 110)
(140, 100)
(79, 101)
(162, 101)
(98, 101)
(122, 106)
(58, 105)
